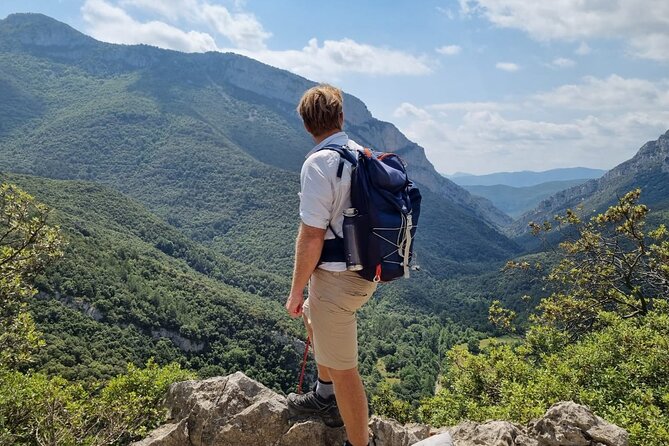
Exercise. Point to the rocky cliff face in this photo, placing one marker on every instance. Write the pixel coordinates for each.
(652, 157)
(237, 411)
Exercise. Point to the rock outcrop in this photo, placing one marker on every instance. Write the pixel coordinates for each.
(238, 411)
(564, 424)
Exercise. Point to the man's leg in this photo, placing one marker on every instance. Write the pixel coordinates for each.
(331, 323)
(352, 402)
(323, 372)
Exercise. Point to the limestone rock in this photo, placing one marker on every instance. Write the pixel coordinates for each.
(173, 434)
(227, 411)
(391, 433)
(238, 411)
(492, 433)
(564, 424)
(312, 432)
(570, 424)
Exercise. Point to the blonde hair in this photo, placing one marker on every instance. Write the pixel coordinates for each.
(321, 108)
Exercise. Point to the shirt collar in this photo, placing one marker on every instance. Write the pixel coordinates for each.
(339, 138)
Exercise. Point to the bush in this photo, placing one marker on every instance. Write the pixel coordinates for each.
(38, 410)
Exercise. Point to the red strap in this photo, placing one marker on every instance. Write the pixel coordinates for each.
(377, 277)
(304, 365)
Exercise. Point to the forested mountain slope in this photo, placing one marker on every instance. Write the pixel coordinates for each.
(131, 287)
(146, 290)
(209, 142)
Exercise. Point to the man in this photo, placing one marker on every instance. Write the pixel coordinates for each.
(334, 293)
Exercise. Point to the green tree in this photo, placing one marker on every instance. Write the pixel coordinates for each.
(613, 265)
(386, 402)
(27, 244)
(600, 338)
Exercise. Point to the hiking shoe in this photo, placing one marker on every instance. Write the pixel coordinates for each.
(311, 404)
(332, 418)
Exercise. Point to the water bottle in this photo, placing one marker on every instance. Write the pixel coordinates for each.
(351, 245)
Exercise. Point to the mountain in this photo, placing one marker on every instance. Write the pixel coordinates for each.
(515, 201)
(186, 167)
(648, 170)
(209, 142)
(526, 178)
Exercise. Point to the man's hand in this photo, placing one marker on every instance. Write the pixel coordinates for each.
(294, 304)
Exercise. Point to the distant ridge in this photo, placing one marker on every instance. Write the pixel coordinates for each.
(526, 178)
(515, 201)
(648, 170)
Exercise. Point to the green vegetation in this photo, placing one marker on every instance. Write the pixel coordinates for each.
(126, 275)
(599, 339)
(116, 268)
(36, 409)
(27, 243)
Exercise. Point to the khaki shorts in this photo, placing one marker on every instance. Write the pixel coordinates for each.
(330, 310)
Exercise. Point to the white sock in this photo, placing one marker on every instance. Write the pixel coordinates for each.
(324, 389)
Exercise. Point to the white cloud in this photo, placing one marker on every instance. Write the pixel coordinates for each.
(112, 24)
(493, 127)
(169, 9)
(108, 20)
(507, 66)
(654, 45)
(336, 57)
(409, 110)
(583, 49)
(471, 106)
(243, 30)
(596, 123)
(643, 23)
(613, 93)
(449, 50)
(562, 62)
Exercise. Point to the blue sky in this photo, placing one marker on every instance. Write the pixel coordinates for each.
(483, 85)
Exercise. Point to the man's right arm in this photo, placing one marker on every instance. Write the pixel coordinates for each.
(308, 247)
(316, 198)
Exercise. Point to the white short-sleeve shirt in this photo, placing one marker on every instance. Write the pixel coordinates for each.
(323, 196)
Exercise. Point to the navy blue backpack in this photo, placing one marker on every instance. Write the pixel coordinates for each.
(388, 207)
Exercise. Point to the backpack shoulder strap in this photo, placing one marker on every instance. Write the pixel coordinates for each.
(345, 154)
